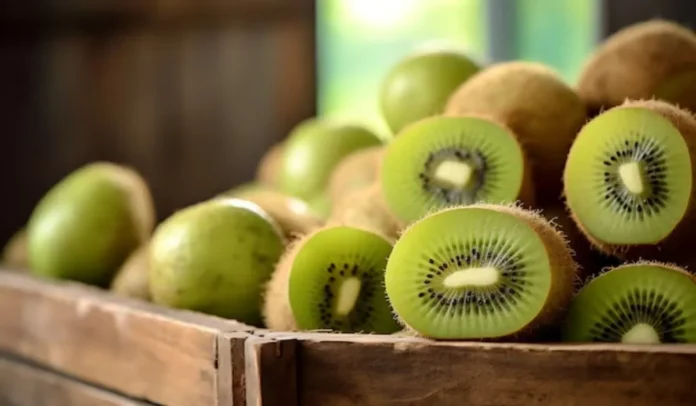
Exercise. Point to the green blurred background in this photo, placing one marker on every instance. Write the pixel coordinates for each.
(359, 40)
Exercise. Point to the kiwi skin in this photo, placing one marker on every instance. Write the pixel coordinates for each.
(132, 279)
(536, 104)
(355, 171)
(276, 311)
(365, 208)
(676, 246)
(545, 327)
(14, 254)
(638, 62)
(268, 169)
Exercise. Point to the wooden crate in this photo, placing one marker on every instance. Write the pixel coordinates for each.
(143, 352)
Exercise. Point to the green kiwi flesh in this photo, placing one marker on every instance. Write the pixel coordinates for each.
(337, 282)
(638, 303)
(628, 177)
(215, 257)
(443, 161)
(480, 272)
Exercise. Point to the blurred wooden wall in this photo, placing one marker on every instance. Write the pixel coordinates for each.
(189, 92)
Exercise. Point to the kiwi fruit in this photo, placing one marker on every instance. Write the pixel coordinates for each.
(481, 272)
(655, 58)
(214, 257)
(629, 180)
(276, 310)
(14, 253)
(636, 303)
(355, 171)
(132, 279)
(87, 224)
(335, 282)
(312, 151)
(419, 85)
(444, 161)
(247, 188)
(320, 205)
(268, 169)
(537, 105)
(365, 208)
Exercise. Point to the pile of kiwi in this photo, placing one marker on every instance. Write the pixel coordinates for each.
(505, 205)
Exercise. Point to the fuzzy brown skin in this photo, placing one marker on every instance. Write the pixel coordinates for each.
(563, 268)
(677, 246)
(355, 171)
(276, 310)
(535, 103)
(14, 254)
(365, 208)
(269, 165)
(639, 62)
(132, 279)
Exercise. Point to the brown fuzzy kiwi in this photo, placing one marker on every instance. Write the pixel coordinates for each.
(276, 310)
(132, 279)
(643, 60)
(14, 254)
(355, 171)
(365, 208)
(536, 104)
(676, 247)
(269, 165)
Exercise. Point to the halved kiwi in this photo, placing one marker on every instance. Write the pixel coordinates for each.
(646, 59)
(336, 282)
(480, 272)
(444, 161)
(629, 180)
(537, 105)
(357, 170)
(638, 303)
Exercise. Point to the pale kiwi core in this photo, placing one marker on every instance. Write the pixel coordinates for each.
(484, 276)
(641, 333)
(455, 174)
(633, 177)
(348, 295)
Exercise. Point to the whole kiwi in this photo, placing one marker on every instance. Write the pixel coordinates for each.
(14, 254)
(355, 171)
(268, 169)
(365, 208)
(87, 224)
(132, 279)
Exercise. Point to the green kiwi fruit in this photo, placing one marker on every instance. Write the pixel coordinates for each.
(629, 180)
(537, 105)
(215, 257)
(14, 253)
(87, 224)
(248, 188)
(132, 279)
(419, 85)
(357, 170)
(313, 149)
(320, 205)
(268, 169)
(481, 272)
(365, 208)
(636, 303)
(655, 58)
(444, 161)
(335, 282)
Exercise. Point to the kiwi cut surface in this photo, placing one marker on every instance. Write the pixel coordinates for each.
(646, 59)
(444, 161)
(336, 282)
(629, 174)
(537, 105)
(480, 272)
(355, 171)
(638, 303)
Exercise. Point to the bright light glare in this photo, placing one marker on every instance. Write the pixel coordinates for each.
(380, 13)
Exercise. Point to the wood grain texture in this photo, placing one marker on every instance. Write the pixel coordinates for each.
(24, 385)
(148, 352)
(342, 370)
(271, 378)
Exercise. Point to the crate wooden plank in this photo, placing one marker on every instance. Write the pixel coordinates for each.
(271, 377)
(136, 348)
(342, 370)
(25, 385)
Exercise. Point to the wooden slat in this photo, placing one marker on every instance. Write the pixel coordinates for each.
(142, 350)
(342, 370)
(271, 378)
(24, 385)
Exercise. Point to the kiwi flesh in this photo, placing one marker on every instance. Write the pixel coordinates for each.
(365, 208)
(355, 171)
(336, 281)
(132, 279)
(629, 180)
(537, 105)
(269, 166)
(14, 253)
(313, 149)
(481, 272)
(443, 161)
(88, 223)
(215, 257)
(655, 58)
(636, 303)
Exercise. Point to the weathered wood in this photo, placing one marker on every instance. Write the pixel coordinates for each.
(271, 378)
(136, 348)
(25, 385)
(342, 370)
